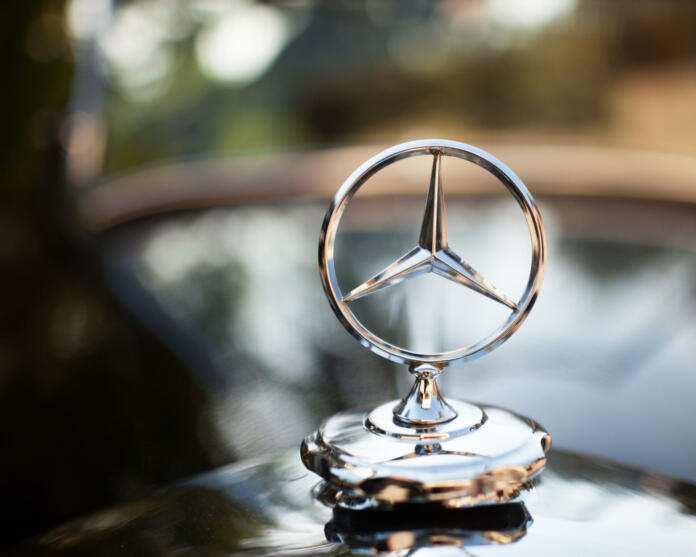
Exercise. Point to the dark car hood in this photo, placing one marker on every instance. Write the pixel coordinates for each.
(581, 506)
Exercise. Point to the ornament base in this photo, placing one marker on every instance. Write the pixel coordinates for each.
(484, 455)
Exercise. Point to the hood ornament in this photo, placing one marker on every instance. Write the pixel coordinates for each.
(423, 448)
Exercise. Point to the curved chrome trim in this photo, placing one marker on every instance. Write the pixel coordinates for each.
(358, 178)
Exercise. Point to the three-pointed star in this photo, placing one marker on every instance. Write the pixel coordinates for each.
(432, 254)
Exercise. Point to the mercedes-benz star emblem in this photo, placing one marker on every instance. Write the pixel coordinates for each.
(433, 253)
(423, 448)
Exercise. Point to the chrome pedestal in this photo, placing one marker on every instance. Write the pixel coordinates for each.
(478, 455)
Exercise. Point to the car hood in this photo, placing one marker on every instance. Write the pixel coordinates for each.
(580, 506)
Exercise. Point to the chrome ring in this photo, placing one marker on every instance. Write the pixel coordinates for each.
(358, 178)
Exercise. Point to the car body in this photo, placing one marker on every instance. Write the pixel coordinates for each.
(190, 197)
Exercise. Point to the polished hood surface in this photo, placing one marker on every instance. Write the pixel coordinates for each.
(581, 507)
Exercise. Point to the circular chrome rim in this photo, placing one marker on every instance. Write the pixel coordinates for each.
(358, 178)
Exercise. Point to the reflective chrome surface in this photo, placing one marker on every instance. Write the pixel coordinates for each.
(432, 253)
(422, 449)
(579, 507)
(485, 455)
(423, 405)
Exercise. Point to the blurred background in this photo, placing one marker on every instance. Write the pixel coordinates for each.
(166, 169)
